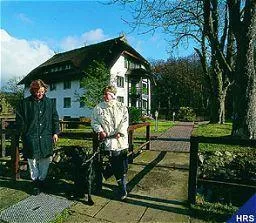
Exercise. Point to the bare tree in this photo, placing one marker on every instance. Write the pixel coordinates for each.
(221, 67)
(236, 36)
(186, 21)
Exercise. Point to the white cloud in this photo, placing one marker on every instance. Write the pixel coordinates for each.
(94, 36)
(24, 18)
(20, 56)
(70, 43)
(87, 38)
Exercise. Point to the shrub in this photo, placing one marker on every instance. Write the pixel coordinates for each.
(134, 115)
(85, 119)
(237, 167)
(231, 166)
(146, 118)
(186, 114)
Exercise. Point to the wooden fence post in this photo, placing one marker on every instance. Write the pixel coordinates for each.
(15, 155)
(61, 125)
(130, 141)
(3, 144)
(193, 164)
(95, 141)
(148, 136)
(98, 176)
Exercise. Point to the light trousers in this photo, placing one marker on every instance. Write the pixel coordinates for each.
(39, 168)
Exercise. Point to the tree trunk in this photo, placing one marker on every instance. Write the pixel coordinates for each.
(245, 94)
(244, 29)
(217, 96)
(219, 65)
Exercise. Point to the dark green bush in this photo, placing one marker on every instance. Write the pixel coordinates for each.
(226, 165)
(238, 167)
(186, 114)
(134, 115)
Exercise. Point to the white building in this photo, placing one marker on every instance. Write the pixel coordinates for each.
(129, 71)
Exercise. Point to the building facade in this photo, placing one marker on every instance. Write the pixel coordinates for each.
(129, 72)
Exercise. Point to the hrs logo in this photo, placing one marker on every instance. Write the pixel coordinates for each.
(245, 218)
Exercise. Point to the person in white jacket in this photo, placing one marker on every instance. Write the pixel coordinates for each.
(110, 120)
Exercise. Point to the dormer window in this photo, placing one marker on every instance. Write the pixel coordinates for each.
(68, 67)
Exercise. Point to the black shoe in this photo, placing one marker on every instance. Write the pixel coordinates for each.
(88, 201)
(42, 185)
(36, 189)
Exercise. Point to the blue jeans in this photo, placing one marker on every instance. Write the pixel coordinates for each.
(119, 163)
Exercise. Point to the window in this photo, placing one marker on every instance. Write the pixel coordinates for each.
(67, 102)
(125, 62)
(67, 84)
(52, 86)
(120, 81)
(131, 64)
(67, 67)
(144, 104)
(120, 99)
(82, 104)
(144, 88)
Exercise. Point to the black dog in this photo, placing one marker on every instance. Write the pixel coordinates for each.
(86, 171)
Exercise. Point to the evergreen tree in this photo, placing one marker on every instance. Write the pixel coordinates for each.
(97, 76)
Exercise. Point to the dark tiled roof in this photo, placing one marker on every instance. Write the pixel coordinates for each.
(107, 52)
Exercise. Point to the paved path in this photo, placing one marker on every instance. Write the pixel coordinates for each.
(158, 192)
(157, 189)
(174, 139)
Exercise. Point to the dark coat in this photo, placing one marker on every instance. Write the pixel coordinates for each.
(37, 121)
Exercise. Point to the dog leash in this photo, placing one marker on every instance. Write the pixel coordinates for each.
(90, 159)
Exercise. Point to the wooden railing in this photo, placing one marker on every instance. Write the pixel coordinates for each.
(15, 151)
(5, 120)
(132, 149)
(65, 124)
(193, 164)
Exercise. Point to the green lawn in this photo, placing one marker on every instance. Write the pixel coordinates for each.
(216, 130)
(162, 126)
(139, 134)
(209, 130)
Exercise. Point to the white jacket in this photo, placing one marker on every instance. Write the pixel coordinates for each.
(111, 117)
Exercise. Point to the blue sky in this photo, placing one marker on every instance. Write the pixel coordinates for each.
(32, 31)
